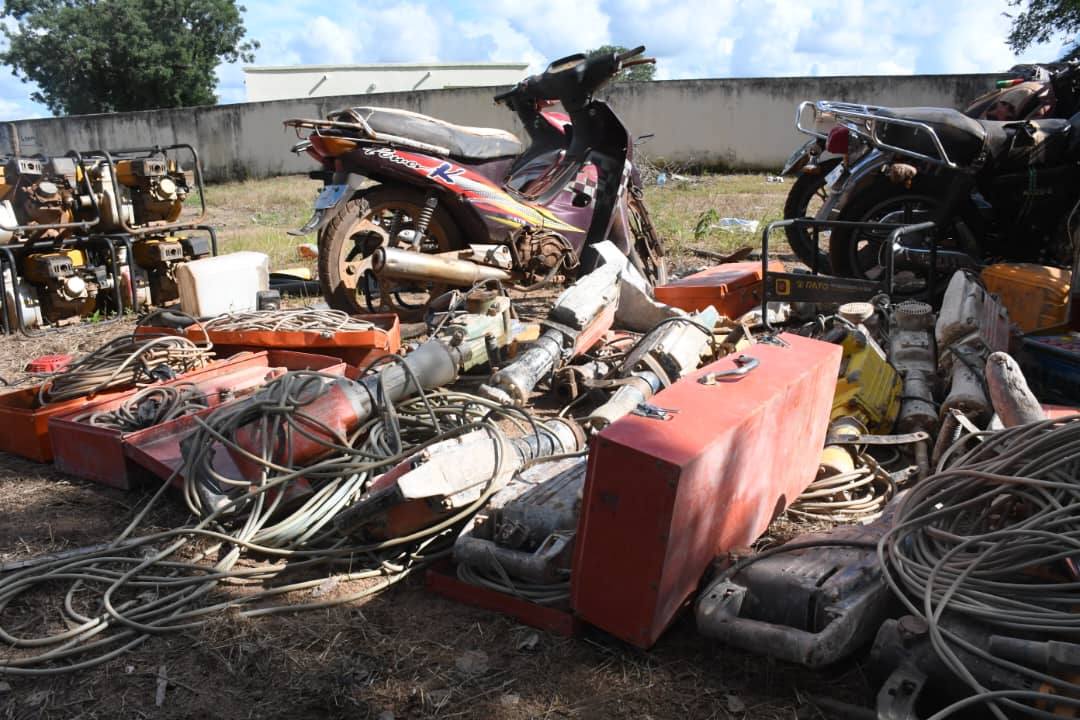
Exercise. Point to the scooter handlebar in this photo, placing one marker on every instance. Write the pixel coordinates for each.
(623, 57)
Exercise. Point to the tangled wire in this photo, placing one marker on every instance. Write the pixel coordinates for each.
(326, 322)
(857, 496)
(125, 362)
(149, 407)
(993, 537)
(246, 532)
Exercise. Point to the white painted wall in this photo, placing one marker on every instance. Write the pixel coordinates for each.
(286, 83)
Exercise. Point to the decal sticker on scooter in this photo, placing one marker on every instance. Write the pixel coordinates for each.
(393, 156)
(446, 172)
(486, 196)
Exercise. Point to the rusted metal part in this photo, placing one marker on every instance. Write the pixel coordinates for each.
(578, 319)
(650, 523)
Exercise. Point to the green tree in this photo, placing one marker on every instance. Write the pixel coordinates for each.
(1042, 20)
(90, 56)
(638, 73)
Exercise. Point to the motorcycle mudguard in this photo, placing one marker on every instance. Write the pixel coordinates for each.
(800, 158)
(330, 198)
(864, 172)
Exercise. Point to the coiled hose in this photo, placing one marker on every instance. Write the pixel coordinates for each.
(114, 599)
(304, 319)
(857, 496)
(125, 362)
(994, 537)
(149, 407)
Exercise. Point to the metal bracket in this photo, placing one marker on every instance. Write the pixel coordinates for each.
(653, 412)
(904, 439)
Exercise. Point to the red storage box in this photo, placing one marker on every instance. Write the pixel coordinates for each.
(663, 497)
(99, 453)
(732, 288)
(26, 426)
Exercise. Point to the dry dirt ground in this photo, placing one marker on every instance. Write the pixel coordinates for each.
(403, 653)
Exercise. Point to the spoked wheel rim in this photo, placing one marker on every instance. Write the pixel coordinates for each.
(867, 251)
(373, 230)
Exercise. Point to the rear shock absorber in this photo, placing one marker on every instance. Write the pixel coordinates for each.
(431, 203)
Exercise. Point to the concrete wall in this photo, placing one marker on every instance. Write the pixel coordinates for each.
(737, 124)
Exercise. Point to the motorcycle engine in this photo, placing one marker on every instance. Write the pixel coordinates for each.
(542, 253)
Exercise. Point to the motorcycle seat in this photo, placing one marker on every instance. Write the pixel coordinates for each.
(463, 142)
(963, 138)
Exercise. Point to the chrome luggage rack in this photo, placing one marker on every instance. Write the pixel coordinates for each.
(362, 127)
(867, 121)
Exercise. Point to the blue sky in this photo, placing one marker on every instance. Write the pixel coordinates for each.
(691, 38)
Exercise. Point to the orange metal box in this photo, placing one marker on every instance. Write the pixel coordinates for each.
(1036, 296)
(356, 347)
(26, 425)
(663, 498)
(732, 288)
(99, 453)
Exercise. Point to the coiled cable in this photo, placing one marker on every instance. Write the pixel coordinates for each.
(993, 537)
(149, 407)
(325, 321)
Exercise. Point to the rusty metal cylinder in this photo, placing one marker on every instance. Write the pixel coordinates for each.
(397, 264)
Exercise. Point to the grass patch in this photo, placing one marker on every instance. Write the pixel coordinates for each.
(255, 214)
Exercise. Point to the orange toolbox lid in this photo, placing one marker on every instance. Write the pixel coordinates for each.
(732, 288)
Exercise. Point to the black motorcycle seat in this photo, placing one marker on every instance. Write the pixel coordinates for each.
(463, 142)
(962, 137)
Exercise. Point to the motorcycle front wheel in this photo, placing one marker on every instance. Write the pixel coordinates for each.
(361, 226)
(646, 249)
(860, 253)
(805, 199)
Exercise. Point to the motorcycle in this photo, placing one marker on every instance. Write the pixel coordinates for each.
(408, 198)
(824, 164)
(996, 190)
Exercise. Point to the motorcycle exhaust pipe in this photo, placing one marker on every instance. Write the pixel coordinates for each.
(397, 264)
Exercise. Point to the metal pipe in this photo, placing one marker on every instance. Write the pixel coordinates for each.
(397, 264)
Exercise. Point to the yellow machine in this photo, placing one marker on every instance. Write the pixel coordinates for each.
(867, 398)
(868, 388)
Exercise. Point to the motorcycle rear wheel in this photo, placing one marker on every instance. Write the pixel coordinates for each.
(347, 242)
(858, 253)
(803, 200)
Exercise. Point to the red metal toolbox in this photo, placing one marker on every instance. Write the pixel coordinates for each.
(663, 497)
(734, 289)
(26, 424)
(99, 453)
